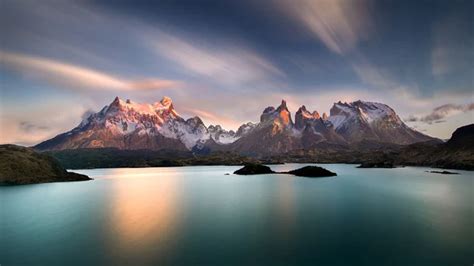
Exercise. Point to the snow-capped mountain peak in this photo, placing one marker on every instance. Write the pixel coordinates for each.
(166, 102)
(362, 120)
(222, 136)
(369, 112)
(130, 125)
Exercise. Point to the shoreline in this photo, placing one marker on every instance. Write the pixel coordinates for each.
(299, 163)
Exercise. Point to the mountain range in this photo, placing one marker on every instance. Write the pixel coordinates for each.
(127, 125)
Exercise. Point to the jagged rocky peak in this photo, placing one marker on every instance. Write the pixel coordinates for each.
(220, 135)
(164, 104)
(316, 115)
(165, 108)
(244, 129)
(214, 128)
(284, 118)
(280, 117)
(282, 106)
(116, 104)
(116, 101)
(218, 128)
(306, 113)
(339, 108)
(162, 110)
(166, 101)
(129, 125)
(267, 114)
(195, 121)
(302, 116)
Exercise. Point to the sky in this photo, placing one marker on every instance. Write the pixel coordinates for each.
(227, 60)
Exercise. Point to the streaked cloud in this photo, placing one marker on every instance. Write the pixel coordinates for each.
(379, 79)
(371, 75)
(452, 47)
(226, 64)
(69, 75)
(28, 126)
(37, 121)
(339, 24)
(441, 112)
(213, 118)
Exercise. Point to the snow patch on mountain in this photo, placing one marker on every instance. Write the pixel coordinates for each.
(337, 120)
(222, 136)
(370, 112)
(244, 129)
(131, 125)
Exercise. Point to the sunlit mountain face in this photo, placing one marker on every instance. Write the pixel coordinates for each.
(226, 61)
(129, 125)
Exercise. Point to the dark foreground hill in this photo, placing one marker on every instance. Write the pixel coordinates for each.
(21, 165)
(456, 153)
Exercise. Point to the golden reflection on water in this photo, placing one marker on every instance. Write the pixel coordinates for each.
(286, 206)
(144, 207)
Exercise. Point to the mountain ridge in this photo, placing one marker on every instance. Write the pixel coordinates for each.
(129, 125)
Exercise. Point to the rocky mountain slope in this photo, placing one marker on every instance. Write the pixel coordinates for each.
(360, 120)
(158, 126)
(350, 125)
(457, 153)
(128, 125)
(274, 134)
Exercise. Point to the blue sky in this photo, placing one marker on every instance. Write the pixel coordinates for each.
(227, 60)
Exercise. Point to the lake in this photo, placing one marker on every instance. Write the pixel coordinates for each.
(200, 216)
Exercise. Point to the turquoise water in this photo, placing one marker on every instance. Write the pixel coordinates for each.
(200, 216)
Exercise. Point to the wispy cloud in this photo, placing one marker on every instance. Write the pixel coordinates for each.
(441, 112)
(28, 126)
(225, 64)
(377, 78)
(31, 124)
(69, 75)
(371, 75)
(452, 48)
(213, 118)
(339, 24)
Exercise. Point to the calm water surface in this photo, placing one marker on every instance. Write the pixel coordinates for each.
(200, 216)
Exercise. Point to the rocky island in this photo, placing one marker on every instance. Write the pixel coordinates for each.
(21, 166)
(307, 171)
(254, 169)
(443, 172)
(376, 165)
(312, 171)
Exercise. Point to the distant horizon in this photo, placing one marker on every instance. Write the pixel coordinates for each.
(225, 61)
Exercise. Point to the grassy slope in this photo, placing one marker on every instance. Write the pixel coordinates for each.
(20, 165)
